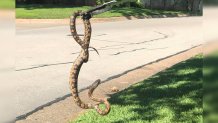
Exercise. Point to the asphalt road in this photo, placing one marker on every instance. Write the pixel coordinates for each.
(44, 56)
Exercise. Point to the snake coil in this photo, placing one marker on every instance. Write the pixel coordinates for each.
(83, 58)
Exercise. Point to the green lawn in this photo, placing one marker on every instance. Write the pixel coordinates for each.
(172, 96)
(60, 12)
(211, 88)
(7, 4)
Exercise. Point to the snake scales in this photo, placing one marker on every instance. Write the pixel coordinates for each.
(83, 58)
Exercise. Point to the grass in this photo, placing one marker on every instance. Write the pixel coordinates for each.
(172, 96)
(60, 12)
(7, 4)
(210, 88)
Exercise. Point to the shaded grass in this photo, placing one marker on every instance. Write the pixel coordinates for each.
(171, 96)
(211, 88)
(7, 4)
(136, 12)
(60, 12)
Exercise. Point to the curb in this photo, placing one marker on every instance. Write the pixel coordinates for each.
(96, 20)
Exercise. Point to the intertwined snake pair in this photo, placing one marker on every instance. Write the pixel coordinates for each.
(83, 58)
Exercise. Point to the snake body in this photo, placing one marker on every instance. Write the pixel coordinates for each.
(83, 58)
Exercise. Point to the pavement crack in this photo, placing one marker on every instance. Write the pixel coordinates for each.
(118, 53)
(164, 36)
(44, 65)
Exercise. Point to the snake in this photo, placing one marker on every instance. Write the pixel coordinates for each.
(80, 60)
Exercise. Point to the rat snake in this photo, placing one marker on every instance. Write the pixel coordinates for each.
(83, 58)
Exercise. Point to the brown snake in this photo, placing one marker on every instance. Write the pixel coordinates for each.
(83, 58)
